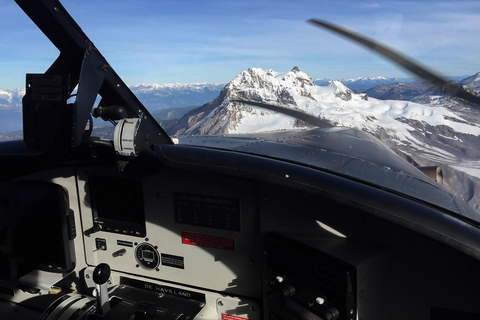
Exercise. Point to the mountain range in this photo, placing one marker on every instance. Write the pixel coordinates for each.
(165, 102)
(177, 95)
(365, 83)
(440, 130)
(178, 99)
(334, 102)
(362, 83)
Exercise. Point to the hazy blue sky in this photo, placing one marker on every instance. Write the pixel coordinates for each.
(212, 41)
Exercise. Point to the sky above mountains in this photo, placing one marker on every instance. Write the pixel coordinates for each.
(212, 41)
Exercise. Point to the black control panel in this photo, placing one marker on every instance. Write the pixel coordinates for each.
(303, 279)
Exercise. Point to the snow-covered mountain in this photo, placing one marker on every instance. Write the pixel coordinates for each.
(443, 131)
(334, 102)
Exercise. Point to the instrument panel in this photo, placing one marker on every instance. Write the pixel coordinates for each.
(195, 244)
(166, 229)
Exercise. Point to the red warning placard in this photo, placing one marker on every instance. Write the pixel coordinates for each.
(231, 317)
(208, 241)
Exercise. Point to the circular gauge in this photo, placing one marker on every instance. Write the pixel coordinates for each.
(147, 256)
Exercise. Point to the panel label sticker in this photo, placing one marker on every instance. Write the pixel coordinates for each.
(172, 261)
(124, 243)
(208, 241)
(232, 317)
(163, 289)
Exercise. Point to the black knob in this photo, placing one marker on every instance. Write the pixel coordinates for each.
(288, 291)
(332, 314)
(101, 274)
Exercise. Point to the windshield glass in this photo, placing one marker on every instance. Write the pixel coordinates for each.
(191, 62)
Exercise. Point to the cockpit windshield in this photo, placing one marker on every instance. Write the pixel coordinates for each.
(212, 73)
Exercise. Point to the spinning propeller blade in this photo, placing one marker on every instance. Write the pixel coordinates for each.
(401, 60)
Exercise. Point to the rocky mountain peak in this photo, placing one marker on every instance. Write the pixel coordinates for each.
(252, 78)
(256, 84)
(298, 77)
(257, 78)
(341, 91)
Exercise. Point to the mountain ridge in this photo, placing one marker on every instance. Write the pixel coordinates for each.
(365, 83)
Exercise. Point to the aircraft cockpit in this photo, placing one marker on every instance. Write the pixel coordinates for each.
(207, 228)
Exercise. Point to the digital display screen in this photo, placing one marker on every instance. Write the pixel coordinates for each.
(117, 204)
(147, 255)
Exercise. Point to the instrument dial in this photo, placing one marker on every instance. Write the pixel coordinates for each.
(147, 256)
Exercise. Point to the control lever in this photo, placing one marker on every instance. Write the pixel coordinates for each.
(101, 274)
